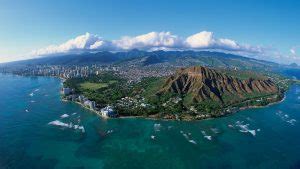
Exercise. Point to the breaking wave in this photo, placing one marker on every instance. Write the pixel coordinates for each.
(286, 118)
(67, 125)
(206, 136)
(64, 116)
(244, 128)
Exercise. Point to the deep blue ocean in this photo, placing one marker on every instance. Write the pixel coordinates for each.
(38, 130)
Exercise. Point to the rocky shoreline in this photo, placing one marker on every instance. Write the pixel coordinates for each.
(187, 117)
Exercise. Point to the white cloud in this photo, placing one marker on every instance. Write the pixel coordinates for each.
(149, 41)
(293, 51)
(200, 40)
(81, 43)
(204, 40)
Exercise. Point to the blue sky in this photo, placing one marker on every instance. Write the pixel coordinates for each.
(31, 25)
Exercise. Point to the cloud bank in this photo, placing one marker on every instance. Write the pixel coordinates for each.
(151, 41)
(294, 50)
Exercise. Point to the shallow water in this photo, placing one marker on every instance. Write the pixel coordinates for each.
(257, 138)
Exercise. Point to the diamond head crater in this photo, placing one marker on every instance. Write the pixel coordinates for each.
(149, 84)
(170, 85)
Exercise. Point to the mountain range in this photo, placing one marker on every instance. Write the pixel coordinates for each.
(144, 58)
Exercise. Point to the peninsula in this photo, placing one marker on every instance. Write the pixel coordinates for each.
(191, 93)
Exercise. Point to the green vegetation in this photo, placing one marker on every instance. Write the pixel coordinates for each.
(145, 98)
(92, 86)
(243, 74)
(209, 107)
(105, 88)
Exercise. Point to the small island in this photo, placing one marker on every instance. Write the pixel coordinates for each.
(192, 93)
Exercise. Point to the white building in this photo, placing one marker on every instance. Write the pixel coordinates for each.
(90, 104)
(81, 98)
(108, 112)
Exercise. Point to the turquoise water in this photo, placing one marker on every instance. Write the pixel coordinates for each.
(28, 104)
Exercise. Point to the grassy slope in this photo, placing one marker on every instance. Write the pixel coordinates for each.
(208, 106)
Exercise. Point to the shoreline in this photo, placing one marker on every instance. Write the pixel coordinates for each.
(163, 119)
(188, 117)
(270, 104)
(83, 106)
(228, 114)
(174, 119)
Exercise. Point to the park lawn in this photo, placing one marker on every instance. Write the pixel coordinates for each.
(95, 86)
(92, 86)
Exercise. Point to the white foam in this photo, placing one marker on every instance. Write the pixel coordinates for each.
(193, 141)
(205, 135)
(286, 118)
(36, 90)
(244, 128)
(157, 127)
(70, 125)
(252, 132)
(74, 113)
(243, 131)
(27, 110)
(230, 126)
(31, 94)
(81, 128)
(292, 121)
(185, 135)
(59, 123)
(208, 137)
(109, 131)
(76, 126)
(32, 101)
(64, 116)
(152, 137)
(215, 130)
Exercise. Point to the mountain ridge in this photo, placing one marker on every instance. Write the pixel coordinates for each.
(204, 84)
(176, 58)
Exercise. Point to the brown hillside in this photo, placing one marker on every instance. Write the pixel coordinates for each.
(205, 83)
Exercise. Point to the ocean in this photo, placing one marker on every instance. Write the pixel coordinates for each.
(38, 130)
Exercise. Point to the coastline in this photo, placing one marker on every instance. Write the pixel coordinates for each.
(62, 79)
(190, 118)
(269, 104)
(85, 107)
(156, 117)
